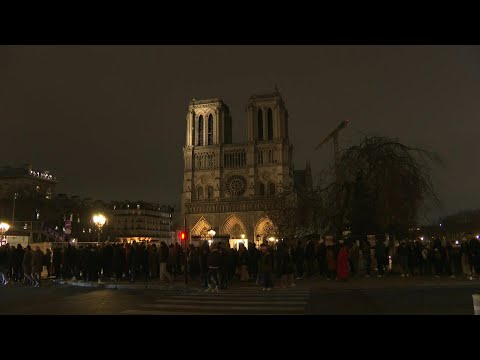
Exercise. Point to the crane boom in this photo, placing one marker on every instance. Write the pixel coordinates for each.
(333, 134)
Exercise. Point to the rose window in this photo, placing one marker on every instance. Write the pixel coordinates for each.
(236, 185)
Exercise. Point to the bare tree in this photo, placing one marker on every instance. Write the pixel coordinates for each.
(381, 185)
(296, 214)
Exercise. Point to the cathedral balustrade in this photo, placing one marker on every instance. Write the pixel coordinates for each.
(206, 160)
(235, 157)
(265, 155)
(256, 203)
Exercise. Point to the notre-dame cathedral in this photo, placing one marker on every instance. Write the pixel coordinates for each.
(228, 187)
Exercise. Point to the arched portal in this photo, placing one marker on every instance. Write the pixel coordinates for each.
(201, 228)
(233, 226)
(264, 230)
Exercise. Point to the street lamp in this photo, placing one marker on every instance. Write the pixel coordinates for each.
(3, 229)
(211, 233)
(99, 220)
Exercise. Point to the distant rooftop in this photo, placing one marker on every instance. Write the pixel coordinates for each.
(117, 205)
(25, 171)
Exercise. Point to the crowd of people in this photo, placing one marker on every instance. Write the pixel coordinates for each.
(215, 265)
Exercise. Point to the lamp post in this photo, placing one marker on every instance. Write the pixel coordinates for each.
(3, 229)
(13, 215)
(99, 220)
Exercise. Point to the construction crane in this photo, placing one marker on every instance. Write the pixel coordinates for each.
(334, 135)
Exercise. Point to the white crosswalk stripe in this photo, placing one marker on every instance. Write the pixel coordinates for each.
(236, 301)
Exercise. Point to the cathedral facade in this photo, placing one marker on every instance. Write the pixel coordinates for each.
(229, 187)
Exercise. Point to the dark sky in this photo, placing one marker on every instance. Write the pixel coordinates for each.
(109, 121)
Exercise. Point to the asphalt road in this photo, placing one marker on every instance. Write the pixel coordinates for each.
(394, 297)
(311, 296)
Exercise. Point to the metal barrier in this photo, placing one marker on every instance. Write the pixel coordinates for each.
(476, 304)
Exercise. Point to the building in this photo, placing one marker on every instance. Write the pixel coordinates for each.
(140, 221)
(229, 187)
(26, 181)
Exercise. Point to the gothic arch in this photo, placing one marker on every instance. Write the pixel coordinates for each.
(210, 129)
(201, 227)
(265, 228)
(234, 227)
(260, 124)
(269, 124)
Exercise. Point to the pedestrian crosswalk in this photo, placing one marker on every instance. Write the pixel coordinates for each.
(247, 300)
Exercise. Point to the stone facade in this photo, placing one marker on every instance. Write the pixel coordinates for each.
(139, 221)
(228, 187)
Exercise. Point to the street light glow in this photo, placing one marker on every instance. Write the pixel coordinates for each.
(4, 227)
(99, 220)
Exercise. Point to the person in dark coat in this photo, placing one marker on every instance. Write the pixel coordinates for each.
(163, 255)
(57, 262)
(37, 265)
(367, 257)
(403, 253)
(214, 263)
(3, 265)
(18, 268)
(252, 260)
(152, 261)
(243, 262)
(204, 250)
(27, 265)
(310, 257)
(107, 260)
(117, 261)
(299, 259)
(321, 258)
(438, 256)
(331, 262)
(267, 268)
(380, 252)
(92, 264)
(47, 261)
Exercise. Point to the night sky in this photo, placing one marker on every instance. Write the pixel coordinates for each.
(109, 121)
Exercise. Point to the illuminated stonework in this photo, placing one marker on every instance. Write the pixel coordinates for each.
(236, 185)
(228, 186)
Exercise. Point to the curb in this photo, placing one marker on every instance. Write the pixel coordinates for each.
(124, 286)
